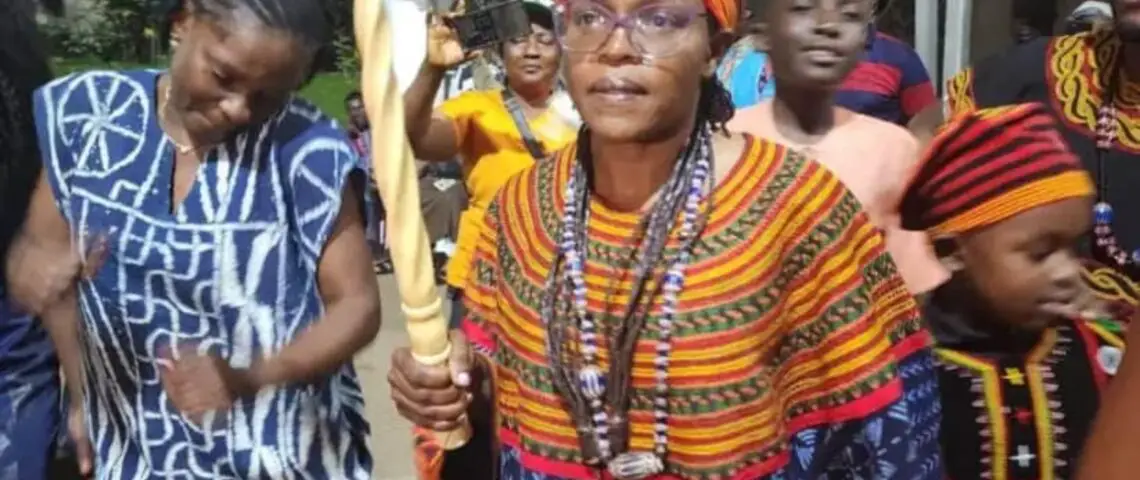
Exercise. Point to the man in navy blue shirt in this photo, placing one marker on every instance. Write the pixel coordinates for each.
(890, 82)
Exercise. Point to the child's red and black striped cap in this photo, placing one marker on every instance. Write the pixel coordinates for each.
(988, 165)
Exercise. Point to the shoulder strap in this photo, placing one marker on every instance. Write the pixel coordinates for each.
(532, 144)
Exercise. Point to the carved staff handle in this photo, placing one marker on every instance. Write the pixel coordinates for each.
(394, 171)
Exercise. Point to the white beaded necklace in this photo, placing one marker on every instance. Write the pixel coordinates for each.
(591, 378)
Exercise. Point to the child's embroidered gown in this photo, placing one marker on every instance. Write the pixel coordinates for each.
(1017, 405)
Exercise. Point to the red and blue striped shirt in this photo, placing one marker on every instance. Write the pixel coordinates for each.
(889, 83)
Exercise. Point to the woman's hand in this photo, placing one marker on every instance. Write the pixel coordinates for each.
(38, 275)
(77, 431)
(443, 48)
(1086, 306)
(434, 397)
(198, 384)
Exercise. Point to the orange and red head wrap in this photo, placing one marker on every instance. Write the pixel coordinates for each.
(726, 12)
(988, 165)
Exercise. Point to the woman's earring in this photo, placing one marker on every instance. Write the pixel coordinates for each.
(174, 41)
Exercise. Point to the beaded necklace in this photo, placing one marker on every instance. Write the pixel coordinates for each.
(590, 387)
(1104, 238)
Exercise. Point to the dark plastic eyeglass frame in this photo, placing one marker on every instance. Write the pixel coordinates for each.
(627, 21)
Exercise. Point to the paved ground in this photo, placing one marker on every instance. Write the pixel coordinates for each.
(391, 437)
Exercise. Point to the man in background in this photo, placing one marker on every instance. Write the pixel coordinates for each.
(889, 82)
(358, 132)
(442, 197)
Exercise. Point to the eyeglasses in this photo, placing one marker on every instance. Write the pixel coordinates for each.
(655, 30)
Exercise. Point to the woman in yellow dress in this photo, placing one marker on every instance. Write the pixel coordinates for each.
(479, 126)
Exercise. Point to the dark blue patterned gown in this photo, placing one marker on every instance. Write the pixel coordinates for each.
(29, 395)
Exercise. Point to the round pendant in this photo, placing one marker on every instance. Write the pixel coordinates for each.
(1102, 213)
(635, 466)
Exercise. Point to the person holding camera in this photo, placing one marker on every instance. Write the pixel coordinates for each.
(495, 133)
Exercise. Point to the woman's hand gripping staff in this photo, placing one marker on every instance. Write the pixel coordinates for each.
(394, 172)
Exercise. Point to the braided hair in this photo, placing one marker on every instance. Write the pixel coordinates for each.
(715, 109)
(23, 68)
(715, 102)
(305, 20)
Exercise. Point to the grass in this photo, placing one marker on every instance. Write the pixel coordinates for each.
(326, 91)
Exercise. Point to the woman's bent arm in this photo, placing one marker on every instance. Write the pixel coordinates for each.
(351, 297)
(46, 238)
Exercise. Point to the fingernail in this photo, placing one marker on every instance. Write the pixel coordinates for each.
(463, 379)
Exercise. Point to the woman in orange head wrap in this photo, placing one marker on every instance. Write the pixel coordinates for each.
(665, 300)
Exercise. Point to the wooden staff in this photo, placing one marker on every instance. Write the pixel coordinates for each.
(394, 171)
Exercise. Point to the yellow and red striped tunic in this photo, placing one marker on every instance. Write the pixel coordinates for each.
(792, 326)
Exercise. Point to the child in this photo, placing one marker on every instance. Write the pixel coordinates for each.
(1022, 370)
(871, 156)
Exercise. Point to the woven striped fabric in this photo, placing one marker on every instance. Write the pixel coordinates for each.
(792, 318)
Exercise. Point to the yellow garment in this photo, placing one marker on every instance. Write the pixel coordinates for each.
(493, 151)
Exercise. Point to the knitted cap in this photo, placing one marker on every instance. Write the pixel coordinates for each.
(991, 164)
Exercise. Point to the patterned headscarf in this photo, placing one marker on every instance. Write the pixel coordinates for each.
(991, 164)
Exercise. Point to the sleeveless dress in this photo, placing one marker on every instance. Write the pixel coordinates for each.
(231, 270)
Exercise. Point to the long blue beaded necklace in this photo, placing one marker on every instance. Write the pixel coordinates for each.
(591, 379)
(1103, 236)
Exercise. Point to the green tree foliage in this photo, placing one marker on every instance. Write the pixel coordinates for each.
(112, 30)
(136, 31)
(342, 54)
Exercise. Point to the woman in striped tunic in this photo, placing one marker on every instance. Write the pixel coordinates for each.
(663, 300)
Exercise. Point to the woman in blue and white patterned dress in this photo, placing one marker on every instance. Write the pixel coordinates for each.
(216, 339)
